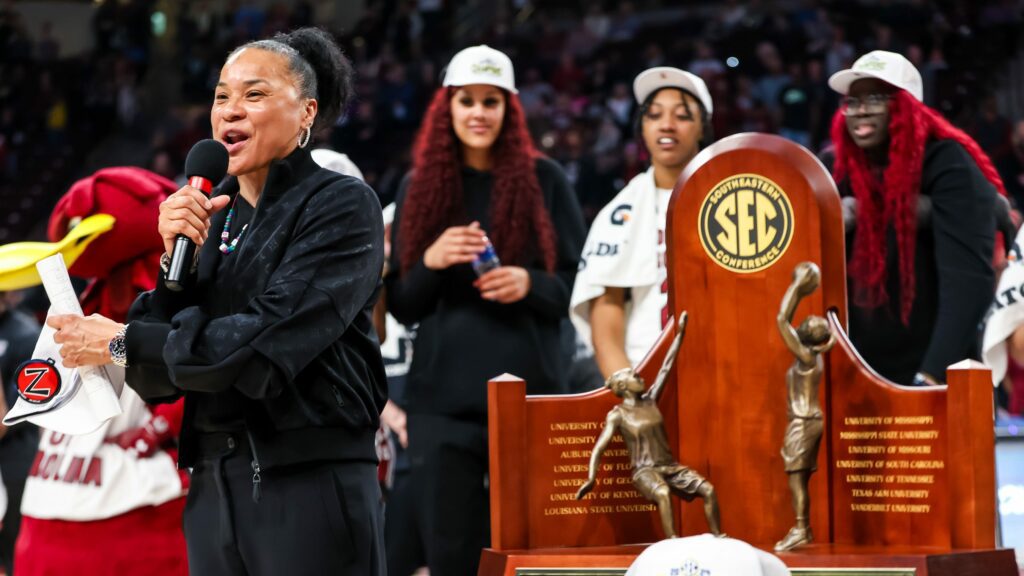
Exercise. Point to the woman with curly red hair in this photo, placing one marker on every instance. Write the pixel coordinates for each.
(920, 285)
(476, 180)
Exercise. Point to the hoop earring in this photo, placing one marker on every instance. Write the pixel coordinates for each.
(304, 138)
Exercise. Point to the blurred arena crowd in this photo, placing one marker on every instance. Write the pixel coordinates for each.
(766, 64)
(141, 94)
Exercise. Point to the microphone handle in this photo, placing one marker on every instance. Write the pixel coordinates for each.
(181, 262)
(184, 249)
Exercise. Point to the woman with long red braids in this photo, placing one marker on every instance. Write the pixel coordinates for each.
(485, 245)
(920, 263)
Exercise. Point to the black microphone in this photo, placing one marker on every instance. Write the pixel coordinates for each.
(206, 163)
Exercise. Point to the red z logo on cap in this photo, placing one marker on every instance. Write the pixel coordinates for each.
(38, 381)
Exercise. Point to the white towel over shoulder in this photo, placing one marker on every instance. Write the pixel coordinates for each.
(1006, 313)
(621, 251)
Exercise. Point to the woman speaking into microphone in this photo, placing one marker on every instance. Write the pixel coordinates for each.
(270, 339)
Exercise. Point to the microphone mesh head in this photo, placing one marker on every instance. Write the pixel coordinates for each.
(208, 159)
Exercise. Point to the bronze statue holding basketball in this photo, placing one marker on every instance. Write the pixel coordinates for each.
(803, 434)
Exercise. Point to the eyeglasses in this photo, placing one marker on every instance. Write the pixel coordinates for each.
(872, 103)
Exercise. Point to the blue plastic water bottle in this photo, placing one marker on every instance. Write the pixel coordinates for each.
(486, 260)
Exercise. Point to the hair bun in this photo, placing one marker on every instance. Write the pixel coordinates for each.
(333, 71)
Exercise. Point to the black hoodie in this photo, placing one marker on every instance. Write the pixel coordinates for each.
(463, 340)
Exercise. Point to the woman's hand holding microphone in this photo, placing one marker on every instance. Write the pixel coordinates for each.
(188, 212)
(85, 340)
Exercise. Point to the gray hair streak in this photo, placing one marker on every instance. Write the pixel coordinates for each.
(297, 64)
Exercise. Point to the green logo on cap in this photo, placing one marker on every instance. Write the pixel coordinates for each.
(486, 67)
(874, 63)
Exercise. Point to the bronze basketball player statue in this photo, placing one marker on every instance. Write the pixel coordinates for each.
(803, 434)
(656, 473)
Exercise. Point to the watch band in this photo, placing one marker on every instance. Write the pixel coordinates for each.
(165, 263)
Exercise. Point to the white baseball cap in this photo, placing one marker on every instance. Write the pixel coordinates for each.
(481, 65)
(708, 556)
(66, 405)
(336, 162)
(889, 67)
(652, 79)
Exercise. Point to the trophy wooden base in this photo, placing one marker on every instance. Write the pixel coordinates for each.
(605, 560)
(900, 560)
(813, 560)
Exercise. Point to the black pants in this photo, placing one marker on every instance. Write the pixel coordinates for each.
(449, 467)
(317, 518)
(402, 537)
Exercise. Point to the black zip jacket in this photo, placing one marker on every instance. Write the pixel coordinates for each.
(287, 335)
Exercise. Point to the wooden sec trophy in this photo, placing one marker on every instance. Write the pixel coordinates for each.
(905, 480)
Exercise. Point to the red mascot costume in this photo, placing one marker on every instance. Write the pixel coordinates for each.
(109, 502)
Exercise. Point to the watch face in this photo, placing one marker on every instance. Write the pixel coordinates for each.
(118, 351)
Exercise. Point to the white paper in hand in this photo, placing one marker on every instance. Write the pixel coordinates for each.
(66, 400)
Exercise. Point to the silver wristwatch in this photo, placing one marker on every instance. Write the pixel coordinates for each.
(165, 263)
(118, 351)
